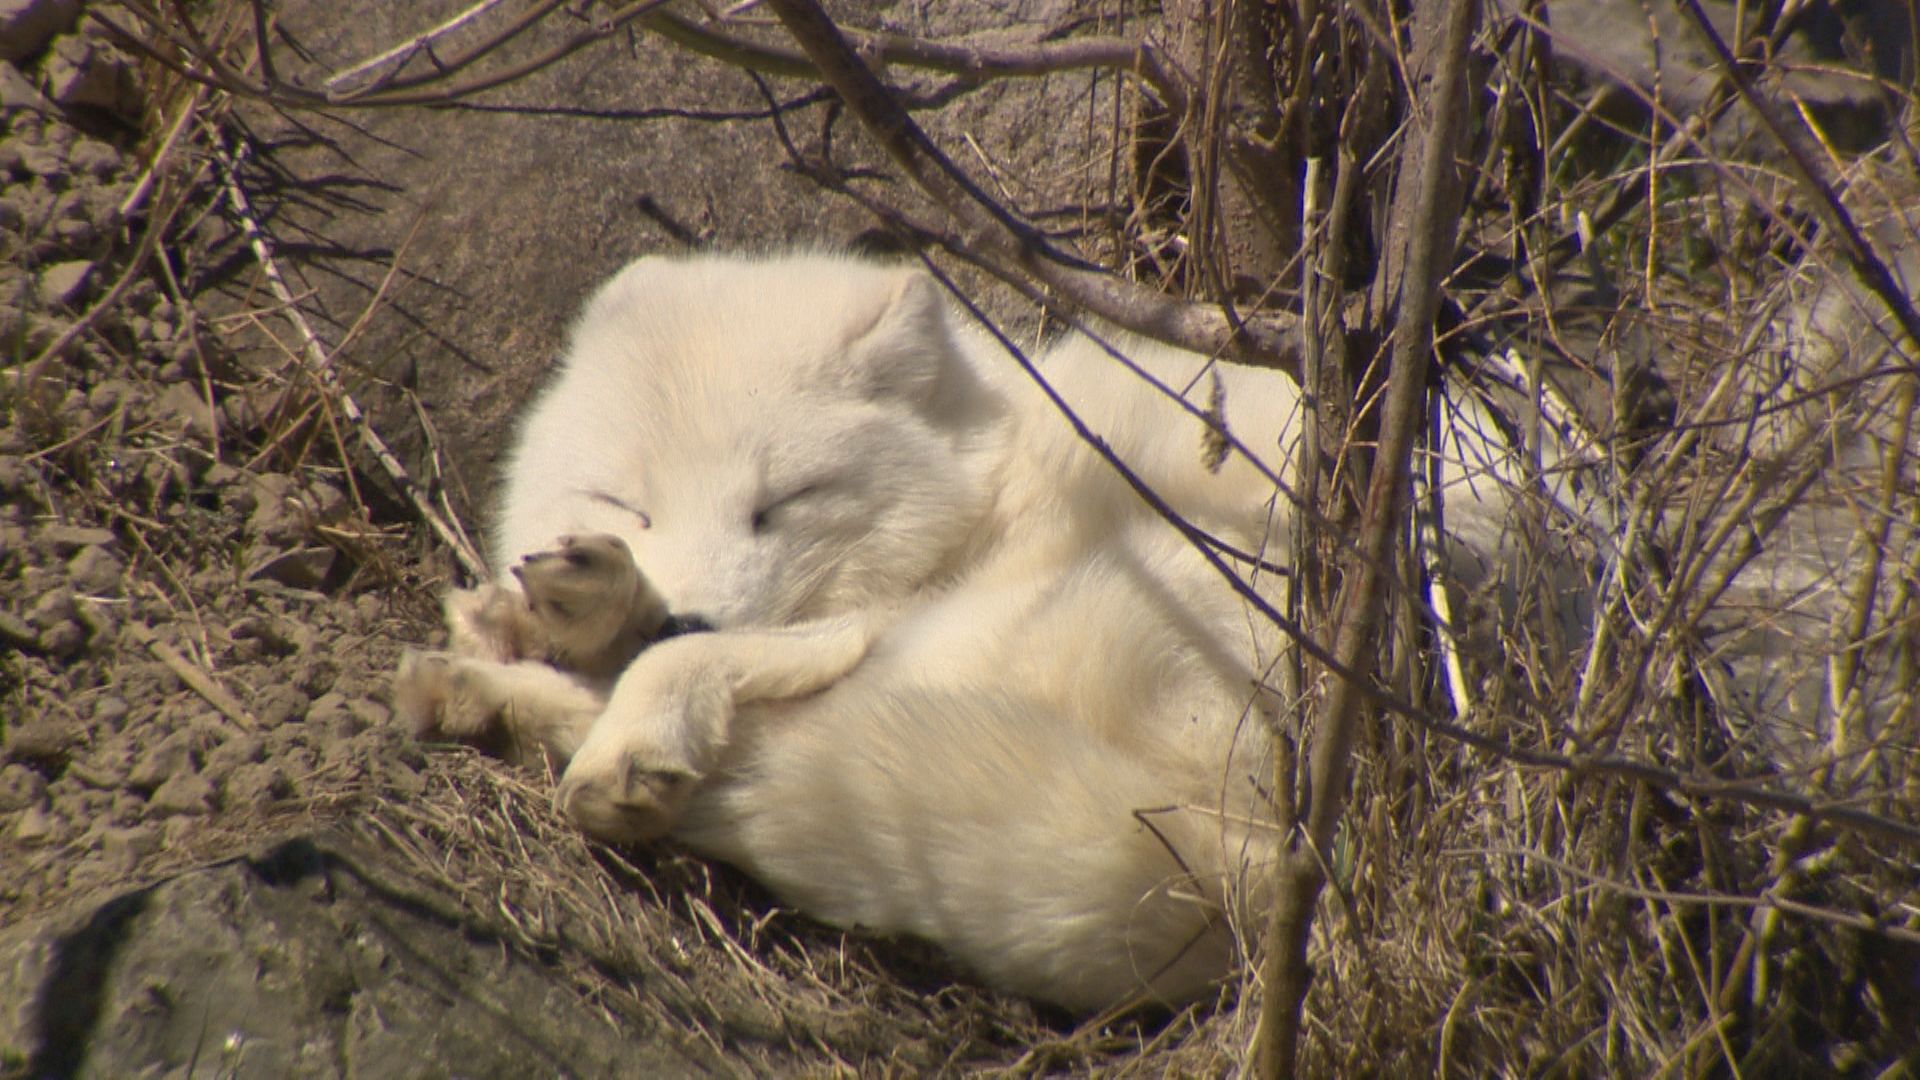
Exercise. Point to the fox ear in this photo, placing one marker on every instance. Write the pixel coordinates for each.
(903, 352)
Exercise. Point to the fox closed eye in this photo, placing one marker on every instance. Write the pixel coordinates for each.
(646, 520)
(763, 517)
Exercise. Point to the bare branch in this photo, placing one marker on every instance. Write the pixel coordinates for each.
(1812, 177)
(1426, 218)
(1002, 54)
(220, 75)
(993, 228)
(411, 47)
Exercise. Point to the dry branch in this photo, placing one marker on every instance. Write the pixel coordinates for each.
(197, 680)
(219, 74)
(1812, 177)
(1425, 219)
(993, 229)
(986, 56)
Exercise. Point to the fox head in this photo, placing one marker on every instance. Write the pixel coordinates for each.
(774, 439)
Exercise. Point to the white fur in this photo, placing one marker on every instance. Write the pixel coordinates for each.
(966, 685)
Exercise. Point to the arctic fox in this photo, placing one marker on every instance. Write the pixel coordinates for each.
(955, 678)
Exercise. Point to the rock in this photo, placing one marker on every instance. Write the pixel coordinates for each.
(279, 705)
(183, 793)
(100, 618)
(372, 713)
(170, 757)
(219, 474)
(64, 283)
(96, 571)
(56, 617)
(35, 826)
(298, 568)
(85, 72)
(14, 475)
(44, 740)
(75, 233)
(16, 633)
(344, 724)
(67, 539)
(17, 93)
(95, 158)
(271, 636)
(181, 407)
(27, 25)
(255, 787)
(248, 410)
(109, 711)
(48, 163)
(312, 957)
(20, 788)
(122, 849)
(299, 763)
(329, 708)
(95, 774)
(313, 673)
(282, 510)
(109, 394)
(237, 751)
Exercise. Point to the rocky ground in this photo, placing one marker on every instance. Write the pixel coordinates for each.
(192, 633)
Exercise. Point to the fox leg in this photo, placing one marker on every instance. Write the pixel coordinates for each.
(670, 718)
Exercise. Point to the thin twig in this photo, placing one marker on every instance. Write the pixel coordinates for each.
(197, 680)
(221, 75)
(1767, 901)
(1811, 176)
(318, 363)
(1425, 218)
(407, 49)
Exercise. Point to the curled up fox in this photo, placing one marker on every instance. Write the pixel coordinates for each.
(945, 672)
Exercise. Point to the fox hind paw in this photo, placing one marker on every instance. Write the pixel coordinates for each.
(446, 696)
(632, 802)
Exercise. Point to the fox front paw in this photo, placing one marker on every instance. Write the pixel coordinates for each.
(596, 609)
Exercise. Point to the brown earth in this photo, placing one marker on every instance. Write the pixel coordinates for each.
(219, 850)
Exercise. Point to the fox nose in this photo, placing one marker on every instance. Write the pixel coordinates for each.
(684, 624)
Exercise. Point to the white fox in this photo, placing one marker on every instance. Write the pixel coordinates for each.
(960, 681)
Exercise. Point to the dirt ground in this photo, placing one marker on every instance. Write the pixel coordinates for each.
(207, 577)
